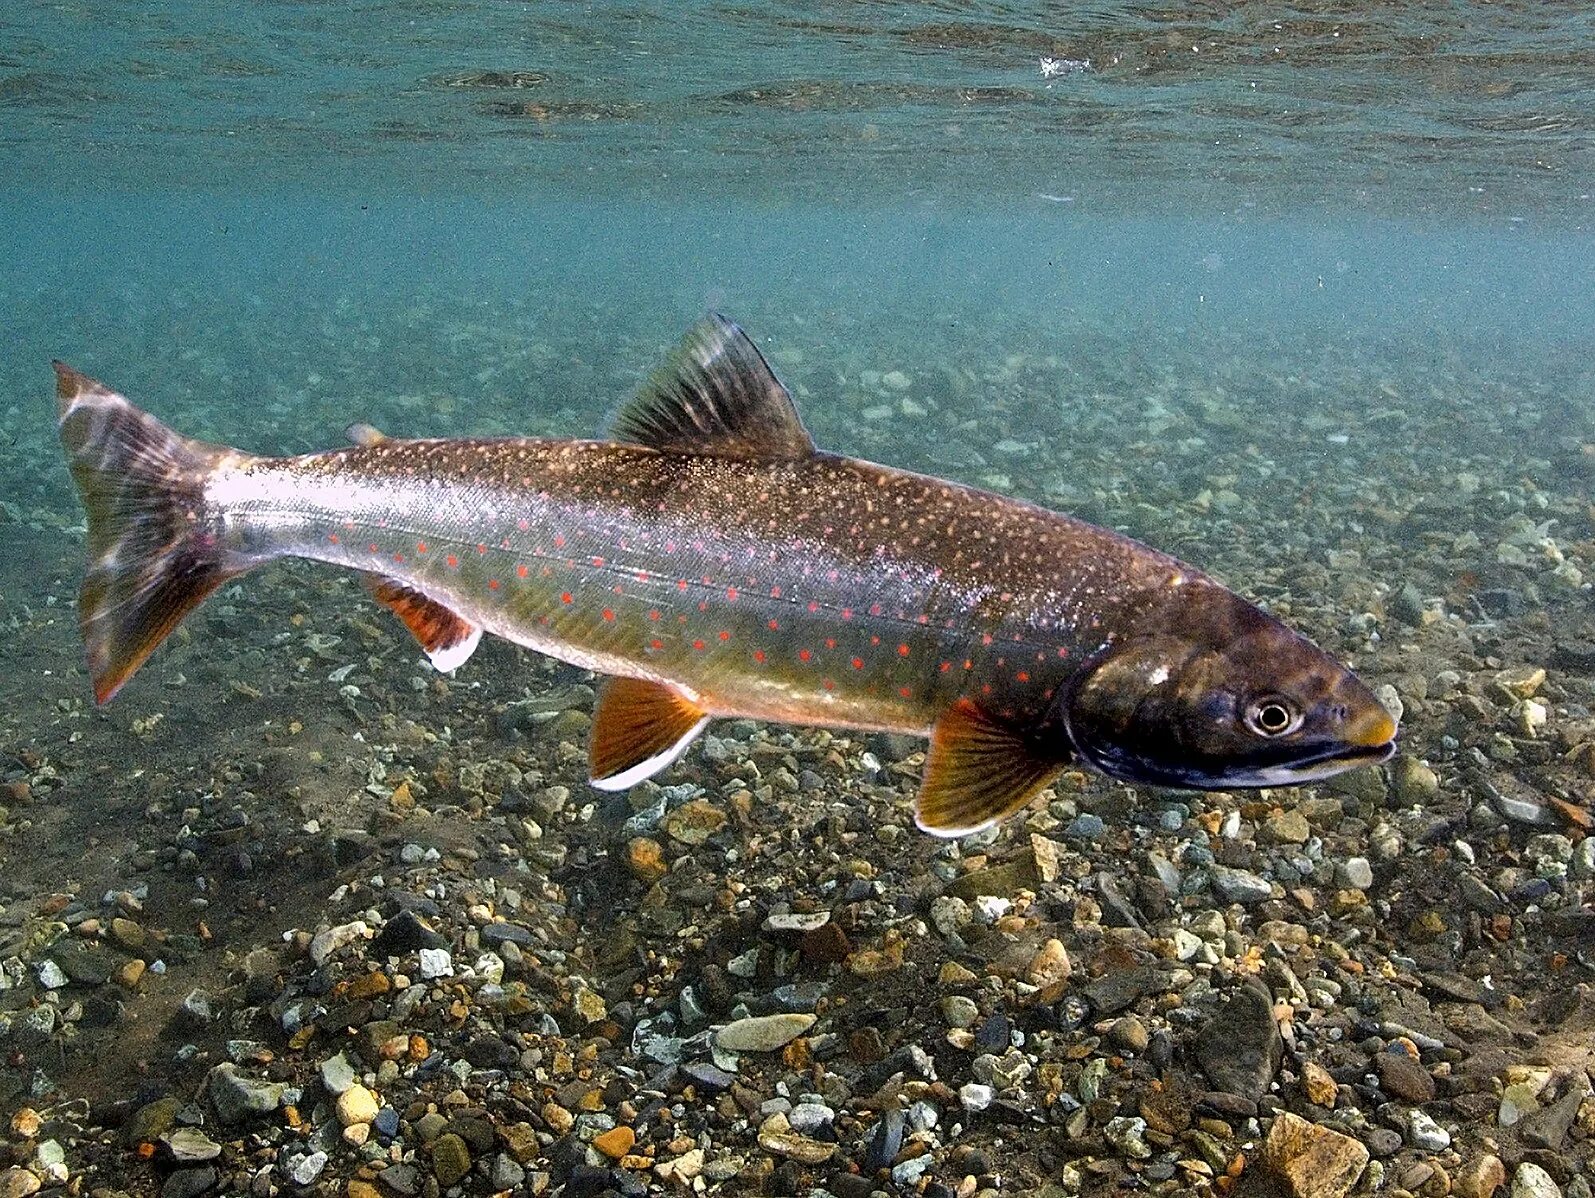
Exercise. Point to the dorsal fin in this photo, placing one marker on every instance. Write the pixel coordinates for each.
(715, 395)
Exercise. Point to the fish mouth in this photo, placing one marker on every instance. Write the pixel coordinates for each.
(1330, 762)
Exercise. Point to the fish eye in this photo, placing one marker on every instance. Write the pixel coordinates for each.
(1272, 715)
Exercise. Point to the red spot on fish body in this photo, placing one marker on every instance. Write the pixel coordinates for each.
(420, 546)
(731, 594)
(724, 635)
(608, 614)
(522, 571)
(697, 644)
(523, 524)
(813, 606)
(858, 663)
(653, 615)
(775, 625)
(830, 642)
(758, 656)
(847, 613)
(565, 597)
(657, 643)
(398, 557)
(333, 537)
(559, 540)
(874, 609)
(1023, 676)
(804, 655)
(598, 563)
(902, 650)
(453, 561)
(904, 691)
(492, 584)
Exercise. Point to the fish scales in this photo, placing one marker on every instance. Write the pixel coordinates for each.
(794, 591)
(714, 562)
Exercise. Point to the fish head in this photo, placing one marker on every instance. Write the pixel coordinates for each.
(1220, 695)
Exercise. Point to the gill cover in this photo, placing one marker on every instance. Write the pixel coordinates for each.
(1224, 696)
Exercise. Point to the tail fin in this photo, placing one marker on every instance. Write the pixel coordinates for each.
(154, 553)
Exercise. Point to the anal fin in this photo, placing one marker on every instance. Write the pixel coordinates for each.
(978, 771)
(447, 638)
(639, 727)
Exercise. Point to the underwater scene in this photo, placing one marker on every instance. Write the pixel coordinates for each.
(939, 846)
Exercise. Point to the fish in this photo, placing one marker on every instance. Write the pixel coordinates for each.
(712, 562)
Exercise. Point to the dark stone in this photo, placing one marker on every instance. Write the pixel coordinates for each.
(85, 964)
(1382, 1142)
(1239, 1049)
(403, 1181)
(588, 1181)
(1575, 655)
(714, 990)
(825, 945)
(495, 934)
(386, 1124)
(1548, 1127)
(1226, 1105)
(884, 1143)
(1117, 909)
(489, 1052)
(1403, 1078)
(995, 1034)
(851, 1185)
(1455, 987)
(1501, 602)
(404, 933)
(191, 1183)
(478, 1133)
(1160, 1049)
(1122, 988)
(708, 1077)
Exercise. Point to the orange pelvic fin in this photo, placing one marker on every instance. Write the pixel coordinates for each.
(448, 638)
(978, 771)
(639, 728)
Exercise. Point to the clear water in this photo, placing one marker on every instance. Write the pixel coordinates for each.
(1302, 292)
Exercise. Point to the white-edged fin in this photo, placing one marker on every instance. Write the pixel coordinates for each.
(640, 727)
(447, 637)
(449, 658)
(978, 771)
(650, 766)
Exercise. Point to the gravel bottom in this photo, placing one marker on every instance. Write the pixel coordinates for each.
(297, 916)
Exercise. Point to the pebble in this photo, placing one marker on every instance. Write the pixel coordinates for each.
(763, 1033)
(436, 963)
(451, 1160)
(306, 1169)
(1050, 966)
(51, 975)
(959, 1011)
(616, 1142)
(337, 1074)
(809, 1117)
(189, 1145)
(1129, 1034)
(976, 1097)
(1240, 1048)
(1423, 1132)
(1312, 1160)
(1239, 885)
(1128, 1134)
(357, 1105)
(18, 1183)
(1531, 1181)
(645, 858)
(1355, 872)
(191, 1183)
(1481, 1177)
(324, 944)
(236, 1097)
(1403, 1078)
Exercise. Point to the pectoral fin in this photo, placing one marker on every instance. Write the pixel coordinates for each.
(978, 771)
(447, 638)
(639, 727)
